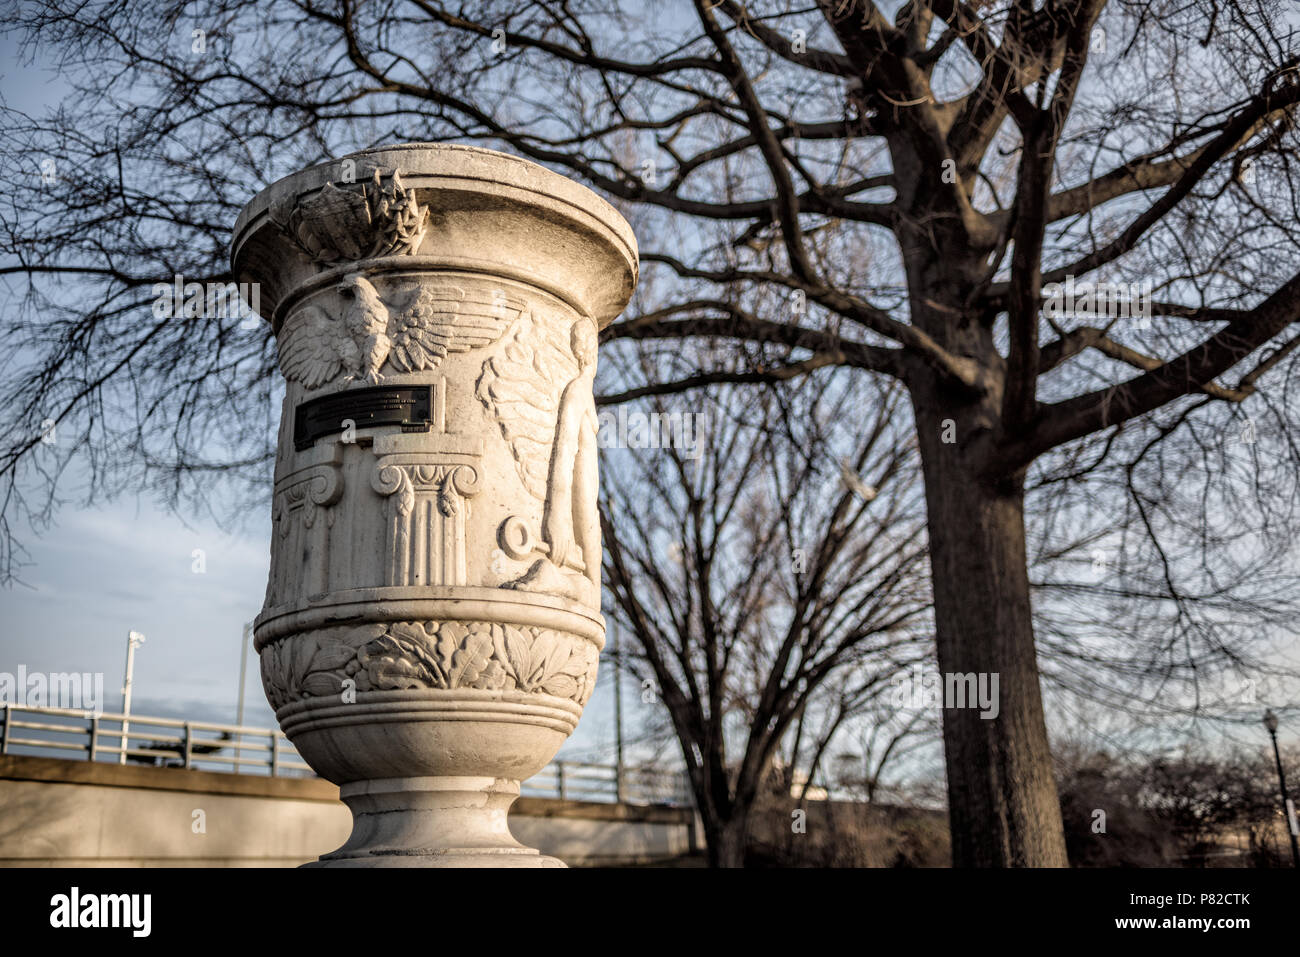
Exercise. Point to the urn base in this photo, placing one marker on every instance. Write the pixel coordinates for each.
(432, 822)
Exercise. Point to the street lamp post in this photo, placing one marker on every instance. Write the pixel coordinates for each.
(618, 719)
(1270, 722)
(243, 671)
(133, 640)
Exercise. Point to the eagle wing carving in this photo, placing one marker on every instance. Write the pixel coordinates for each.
(434, 320)
(521, 386)
(415, 333)
(314, 348)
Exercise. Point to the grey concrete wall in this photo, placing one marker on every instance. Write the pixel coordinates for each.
(57, 813)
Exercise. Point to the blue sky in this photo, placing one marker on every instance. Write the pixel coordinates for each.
(101, 572)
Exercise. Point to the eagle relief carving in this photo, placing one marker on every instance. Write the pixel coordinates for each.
(552, 437)
(407, 330)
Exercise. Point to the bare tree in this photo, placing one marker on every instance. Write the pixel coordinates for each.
(1187, 808)
(909, 178)
(884, 736)
(793, 587)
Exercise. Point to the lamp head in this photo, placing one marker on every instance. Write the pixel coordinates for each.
(1270, 721)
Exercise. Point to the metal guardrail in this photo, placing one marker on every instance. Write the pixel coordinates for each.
(169, 742)
(583, 781)
(207, 746)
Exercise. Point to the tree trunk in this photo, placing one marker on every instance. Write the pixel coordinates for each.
(726, 841)
(1002, 800)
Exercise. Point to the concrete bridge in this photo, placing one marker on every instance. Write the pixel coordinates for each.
(66, 813)
(85, 789)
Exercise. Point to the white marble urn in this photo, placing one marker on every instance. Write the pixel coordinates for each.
(432, 622)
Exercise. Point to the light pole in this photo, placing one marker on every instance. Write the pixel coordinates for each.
(243, 671)
(133, 640)
(618, 718)
(1270, 722)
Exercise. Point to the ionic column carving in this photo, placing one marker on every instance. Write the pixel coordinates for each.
(425, 518)
(301, 518)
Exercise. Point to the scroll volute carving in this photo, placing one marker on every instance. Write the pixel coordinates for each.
(425, 538)
(300, 547)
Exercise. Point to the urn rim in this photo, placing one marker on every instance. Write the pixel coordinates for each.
(434, 167)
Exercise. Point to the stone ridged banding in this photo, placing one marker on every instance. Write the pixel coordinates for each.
(379, 707)
(428, 603)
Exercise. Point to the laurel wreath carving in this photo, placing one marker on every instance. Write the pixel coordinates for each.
(440, 655)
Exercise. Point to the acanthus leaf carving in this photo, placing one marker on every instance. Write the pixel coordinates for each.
(402, 658)
(447, 655)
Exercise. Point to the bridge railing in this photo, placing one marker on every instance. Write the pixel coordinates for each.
(585, 781)
(208, 746)
(142, 739)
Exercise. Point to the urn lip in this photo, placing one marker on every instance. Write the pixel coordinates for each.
(449, 177)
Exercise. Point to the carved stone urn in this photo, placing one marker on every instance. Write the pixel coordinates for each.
(432, 621)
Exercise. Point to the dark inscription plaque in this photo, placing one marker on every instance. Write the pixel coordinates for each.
(407, 406)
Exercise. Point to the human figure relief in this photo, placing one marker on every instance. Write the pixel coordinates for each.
(518, 387)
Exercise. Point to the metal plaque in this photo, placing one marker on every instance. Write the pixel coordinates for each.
(408, 406)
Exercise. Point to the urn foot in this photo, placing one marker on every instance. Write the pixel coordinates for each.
(432, 822)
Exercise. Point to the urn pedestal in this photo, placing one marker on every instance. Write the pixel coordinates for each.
(432, 623)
